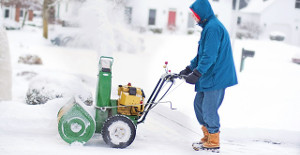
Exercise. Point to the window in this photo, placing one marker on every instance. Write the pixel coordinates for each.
(152, 16)
(233, 4)
(191, 22)
(128, 14)
(239, 20)
(6, 14)
(21, 13)
(297, 5)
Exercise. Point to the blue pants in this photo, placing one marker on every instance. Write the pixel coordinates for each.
(206, 105)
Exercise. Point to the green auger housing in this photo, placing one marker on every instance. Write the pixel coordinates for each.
(75, 124)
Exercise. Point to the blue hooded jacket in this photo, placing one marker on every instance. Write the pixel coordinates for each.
(214, 59)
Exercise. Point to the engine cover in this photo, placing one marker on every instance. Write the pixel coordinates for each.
(130, 100)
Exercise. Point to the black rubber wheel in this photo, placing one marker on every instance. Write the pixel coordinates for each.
(118, 131)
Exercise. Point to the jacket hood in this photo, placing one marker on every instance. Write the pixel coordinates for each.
(203, 9)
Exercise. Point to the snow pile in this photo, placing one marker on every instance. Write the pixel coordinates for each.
(296, 58)
(258, 116)
(5, 67)
(47, 87)
(11, 24)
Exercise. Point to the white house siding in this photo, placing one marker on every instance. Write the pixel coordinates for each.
(12, 12)
(297, 36)
(272, 19)
(140, 13)
(67, 9)
(250, 18)
(296, 27)
(279, 16)
(223, 10)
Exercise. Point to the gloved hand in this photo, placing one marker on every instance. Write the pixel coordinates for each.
(193, 77)
(186, 71)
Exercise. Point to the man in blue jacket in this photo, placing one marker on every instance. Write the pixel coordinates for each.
(212, 71)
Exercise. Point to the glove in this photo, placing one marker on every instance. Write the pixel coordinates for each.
(186, 71)
(193, 77)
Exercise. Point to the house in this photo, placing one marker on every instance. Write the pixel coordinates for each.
(156, 15)
(14, 13)
(274, 17)
(159, 16)
(170, 15)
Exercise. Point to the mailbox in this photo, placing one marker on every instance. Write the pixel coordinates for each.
(245, 54)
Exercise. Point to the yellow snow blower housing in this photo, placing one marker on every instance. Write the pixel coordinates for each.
(130, 100)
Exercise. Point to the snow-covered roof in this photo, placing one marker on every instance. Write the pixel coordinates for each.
(257, 6)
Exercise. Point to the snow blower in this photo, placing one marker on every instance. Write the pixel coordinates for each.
(115, 119)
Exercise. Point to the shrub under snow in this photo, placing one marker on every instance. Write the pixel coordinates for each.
(44, 88)
(30, 59)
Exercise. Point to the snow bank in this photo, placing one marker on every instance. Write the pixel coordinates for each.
(47, 87)
(11, 24)
(5, 67)
(257, 115)
(268, 90)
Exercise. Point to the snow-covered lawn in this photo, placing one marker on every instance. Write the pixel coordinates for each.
(258, 116)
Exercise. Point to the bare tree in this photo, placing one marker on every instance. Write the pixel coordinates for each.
(46, 7)
(45, 19)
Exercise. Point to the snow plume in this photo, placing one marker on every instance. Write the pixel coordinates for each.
(103, 28)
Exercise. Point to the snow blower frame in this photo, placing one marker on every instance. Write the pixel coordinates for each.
(115, 119)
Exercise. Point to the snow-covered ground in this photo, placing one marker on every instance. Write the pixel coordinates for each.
(258, 116)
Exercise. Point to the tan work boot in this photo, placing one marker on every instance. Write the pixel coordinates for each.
(197, 145)
(213, 141)
(205, 135)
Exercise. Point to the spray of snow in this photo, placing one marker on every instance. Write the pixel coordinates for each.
(102, 28)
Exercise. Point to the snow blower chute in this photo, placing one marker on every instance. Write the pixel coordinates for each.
(115, 119)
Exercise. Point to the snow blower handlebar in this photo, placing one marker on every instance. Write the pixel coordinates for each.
(152, 101)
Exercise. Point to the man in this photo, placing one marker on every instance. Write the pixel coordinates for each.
(212, 71)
